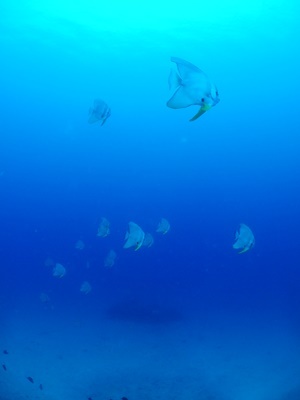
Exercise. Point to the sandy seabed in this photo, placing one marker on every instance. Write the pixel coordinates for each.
(80, 357)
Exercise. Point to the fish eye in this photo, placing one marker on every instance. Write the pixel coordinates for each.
(202, 100)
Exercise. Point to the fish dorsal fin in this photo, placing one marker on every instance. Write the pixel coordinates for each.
(190, 74)
(185, 68)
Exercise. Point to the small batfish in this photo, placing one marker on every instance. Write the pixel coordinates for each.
(44, 298)
(40, 386)
(85, 287)
(163, 226)
(79, 245)
(5, 352)
(148, 240)
(30, 379)
(134, 236)
(4, 367)
(104, 228)
(59, 270)
(110, 259)
(99, 112)
(244, 239)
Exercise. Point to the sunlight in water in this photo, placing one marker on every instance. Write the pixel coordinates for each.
(134, 15)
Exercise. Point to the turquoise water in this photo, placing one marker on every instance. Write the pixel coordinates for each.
(188, 317)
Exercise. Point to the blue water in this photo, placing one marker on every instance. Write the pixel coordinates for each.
(238, 163)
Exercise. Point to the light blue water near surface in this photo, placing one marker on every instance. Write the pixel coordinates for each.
(190, 300)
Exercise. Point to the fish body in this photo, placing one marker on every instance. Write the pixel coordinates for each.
(148, 240)
(163, 226)
(103, 228)
(134, 236)
(244, 239)
(79, 245)
(85, 287)
(30, 379)
(59, 270)
(110, 259)
(99, 112)
(191, 86)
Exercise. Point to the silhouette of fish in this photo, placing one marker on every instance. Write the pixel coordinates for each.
(30, 379)
(191, 86)
(41, 386)
(5, 352)
(99, 112)
(4, 367)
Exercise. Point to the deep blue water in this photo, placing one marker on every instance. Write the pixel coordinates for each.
(238, 163)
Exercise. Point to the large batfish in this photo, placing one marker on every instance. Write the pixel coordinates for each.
(191, 86)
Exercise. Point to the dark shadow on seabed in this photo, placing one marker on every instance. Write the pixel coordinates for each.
(137, 312)
(292, 394)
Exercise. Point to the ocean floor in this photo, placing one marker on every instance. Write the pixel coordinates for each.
(80, 357)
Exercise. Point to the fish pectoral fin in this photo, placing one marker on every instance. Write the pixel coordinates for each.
(201, 111)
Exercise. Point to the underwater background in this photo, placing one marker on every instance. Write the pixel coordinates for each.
(188, 317)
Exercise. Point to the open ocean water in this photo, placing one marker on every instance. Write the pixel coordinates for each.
(89, 150)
